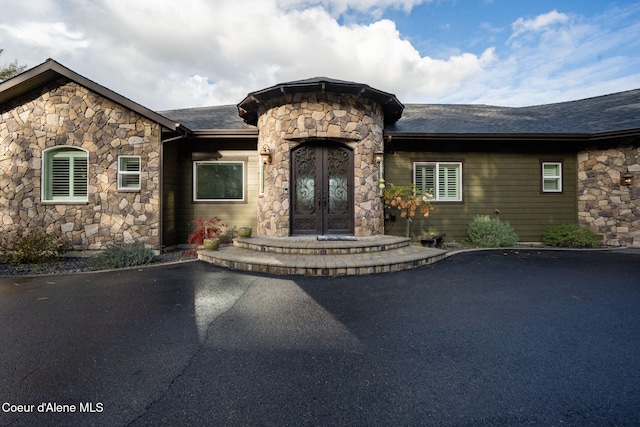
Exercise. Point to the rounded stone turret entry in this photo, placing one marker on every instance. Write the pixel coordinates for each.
(321, 136)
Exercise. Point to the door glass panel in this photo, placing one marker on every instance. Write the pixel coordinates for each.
(305, 173)
(338, 163)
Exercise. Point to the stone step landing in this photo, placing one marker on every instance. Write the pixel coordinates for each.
(311, 257)
(313, 246)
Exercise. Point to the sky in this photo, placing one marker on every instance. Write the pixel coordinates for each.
(171, 54)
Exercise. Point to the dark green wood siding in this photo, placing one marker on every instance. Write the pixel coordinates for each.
(170, 191)
(236, 214)
(506, 182)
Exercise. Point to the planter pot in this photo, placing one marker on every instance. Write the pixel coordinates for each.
(244, 232)
(211, 244)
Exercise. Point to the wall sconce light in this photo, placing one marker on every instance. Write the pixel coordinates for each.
(378, 156)
(265, 154)
(627, 178)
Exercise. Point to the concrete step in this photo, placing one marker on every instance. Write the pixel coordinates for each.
(337, 264)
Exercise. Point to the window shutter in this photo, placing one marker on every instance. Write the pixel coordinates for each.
(551, 170)
(551, 177)
(425, 179)
(448, 179)
(443, 181)
(79, 176)
(60, 172)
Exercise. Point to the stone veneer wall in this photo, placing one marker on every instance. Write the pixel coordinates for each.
(605, 205)
(64, 113)
(288, 121)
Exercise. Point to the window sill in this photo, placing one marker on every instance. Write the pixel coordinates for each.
(64, 202)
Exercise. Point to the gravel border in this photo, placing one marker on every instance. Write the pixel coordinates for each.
(74, 264)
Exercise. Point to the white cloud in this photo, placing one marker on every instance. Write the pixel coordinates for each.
(53, 36)
(205, 52)
(539, 23)
(338, 7)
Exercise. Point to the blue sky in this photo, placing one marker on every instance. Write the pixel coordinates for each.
(169, 54)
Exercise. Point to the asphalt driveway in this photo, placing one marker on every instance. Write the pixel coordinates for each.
(483, 338)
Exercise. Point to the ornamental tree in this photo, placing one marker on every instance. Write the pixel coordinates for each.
(407, 199)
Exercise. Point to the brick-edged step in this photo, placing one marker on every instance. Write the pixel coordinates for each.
(401, 258)
(312, 246)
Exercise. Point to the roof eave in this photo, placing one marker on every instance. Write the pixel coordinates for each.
(247, 108)
(225, 133)
(392, 135)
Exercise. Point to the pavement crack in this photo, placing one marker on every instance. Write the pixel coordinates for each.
(195, 354)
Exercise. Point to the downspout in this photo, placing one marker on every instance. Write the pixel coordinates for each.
(178, 127)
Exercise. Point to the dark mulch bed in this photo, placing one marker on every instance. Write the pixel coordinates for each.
(80, 264)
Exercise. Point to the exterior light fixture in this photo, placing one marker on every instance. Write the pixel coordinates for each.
(378, 156)
(265, 154)
(627, 178)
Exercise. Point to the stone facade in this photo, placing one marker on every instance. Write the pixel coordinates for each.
(64, 113)
(605, 204)
(293, 119)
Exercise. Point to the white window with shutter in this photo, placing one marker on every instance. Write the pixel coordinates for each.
(551, 177)
(443, 180)
(65, 175)
(129, 173)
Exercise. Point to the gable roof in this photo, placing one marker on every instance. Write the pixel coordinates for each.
(51, 70)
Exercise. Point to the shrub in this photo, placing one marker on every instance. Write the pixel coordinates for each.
(33, 246)
(570, 236)
(205, 229)
(126, 255)
(490, 232)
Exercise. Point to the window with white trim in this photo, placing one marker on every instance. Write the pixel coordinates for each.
(129, 173)
(65, 175)
(218, 181)
(443, 180)
(551, 177)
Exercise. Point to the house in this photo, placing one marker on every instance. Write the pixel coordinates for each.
(306, 158)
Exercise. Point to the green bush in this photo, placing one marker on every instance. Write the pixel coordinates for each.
(32, 246)
(570, 236)
(127, 255)
(490, 233)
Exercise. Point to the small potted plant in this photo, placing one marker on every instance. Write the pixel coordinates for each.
(211, 244)
(244, 231)
(206, 234)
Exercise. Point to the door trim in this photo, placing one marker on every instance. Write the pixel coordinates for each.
(316, 218)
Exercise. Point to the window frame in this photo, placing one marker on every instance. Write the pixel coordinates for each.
(242, 162)
(436, 191)
(122, 173)
(47, 190)
(558, 177)
(262, 168)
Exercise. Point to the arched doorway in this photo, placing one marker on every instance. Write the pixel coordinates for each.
(322, 197)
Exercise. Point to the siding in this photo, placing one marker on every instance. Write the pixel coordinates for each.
(507, 182)
(170, 191)
(231, 214)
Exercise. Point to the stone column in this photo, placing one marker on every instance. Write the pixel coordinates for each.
(605, 204)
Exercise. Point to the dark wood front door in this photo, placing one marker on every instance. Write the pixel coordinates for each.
(322, 196)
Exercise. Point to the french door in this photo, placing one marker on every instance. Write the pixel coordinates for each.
(322, 196)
